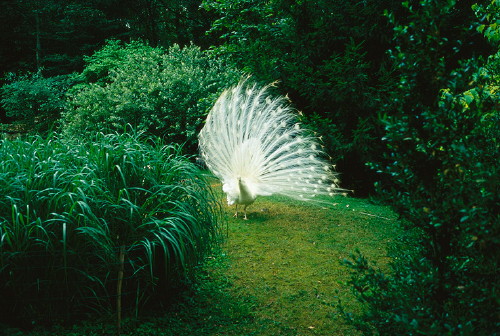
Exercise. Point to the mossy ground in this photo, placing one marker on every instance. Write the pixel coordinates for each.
(280, 272)
(277, 273)
(288, 259)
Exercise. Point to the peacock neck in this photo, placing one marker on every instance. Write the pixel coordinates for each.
(245, 194)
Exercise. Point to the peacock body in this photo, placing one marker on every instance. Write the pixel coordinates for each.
(253, 143)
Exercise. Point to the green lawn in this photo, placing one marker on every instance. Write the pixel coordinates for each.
(287, 257)
(277, 273)
(280, 272)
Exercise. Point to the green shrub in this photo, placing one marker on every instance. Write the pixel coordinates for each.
(71, 209)
(166, 93)
(35, 100)
(442, 164)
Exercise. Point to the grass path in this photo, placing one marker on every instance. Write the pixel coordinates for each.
(280, 272)
(289, 258)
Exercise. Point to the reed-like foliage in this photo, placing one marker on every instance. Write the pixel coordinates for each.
(70, 209)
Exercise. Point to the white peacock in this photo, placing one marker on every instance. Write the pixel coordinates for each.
(254, 144)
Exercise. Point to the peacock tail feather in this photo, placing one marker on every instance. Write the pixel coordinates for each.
(254, 136)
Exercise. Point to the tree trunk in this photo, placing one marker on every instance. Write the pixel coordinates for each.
(38, 50)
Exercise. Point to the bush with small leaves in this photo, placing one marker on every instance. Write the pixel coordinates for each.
(35, 100)
(443, 150)
(164, 92)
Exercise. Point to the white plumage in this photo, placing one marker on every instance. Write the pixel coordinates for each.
(253, 143)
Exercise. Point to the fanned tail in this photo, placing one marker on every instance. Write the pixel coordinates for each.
(251, 135)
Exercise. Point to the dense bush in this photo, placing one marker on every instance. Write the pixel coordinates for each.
(166, 93)
(442, 136)
(35, 100)
(448, 186)
(74, 214)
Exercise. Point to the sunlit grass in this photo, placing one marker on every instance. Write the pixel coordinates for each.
(288, 258)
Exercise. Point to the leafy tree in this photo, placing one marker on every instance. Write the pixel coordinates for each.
(442, 135)
(164, 22)
(53, 35)
(35, 100)
(166, 93)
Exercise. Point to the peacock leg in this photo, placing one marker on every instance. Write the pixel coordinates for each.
(245, 212)
(236, 214)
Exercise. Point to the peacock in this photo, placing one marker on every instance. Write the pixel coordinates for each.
(252, 141)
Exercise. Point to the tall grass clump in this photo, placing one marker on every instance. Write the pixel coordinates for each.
(97, 225)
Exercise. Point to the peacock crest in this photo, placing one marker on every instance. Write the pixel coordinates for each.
(253, 143)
